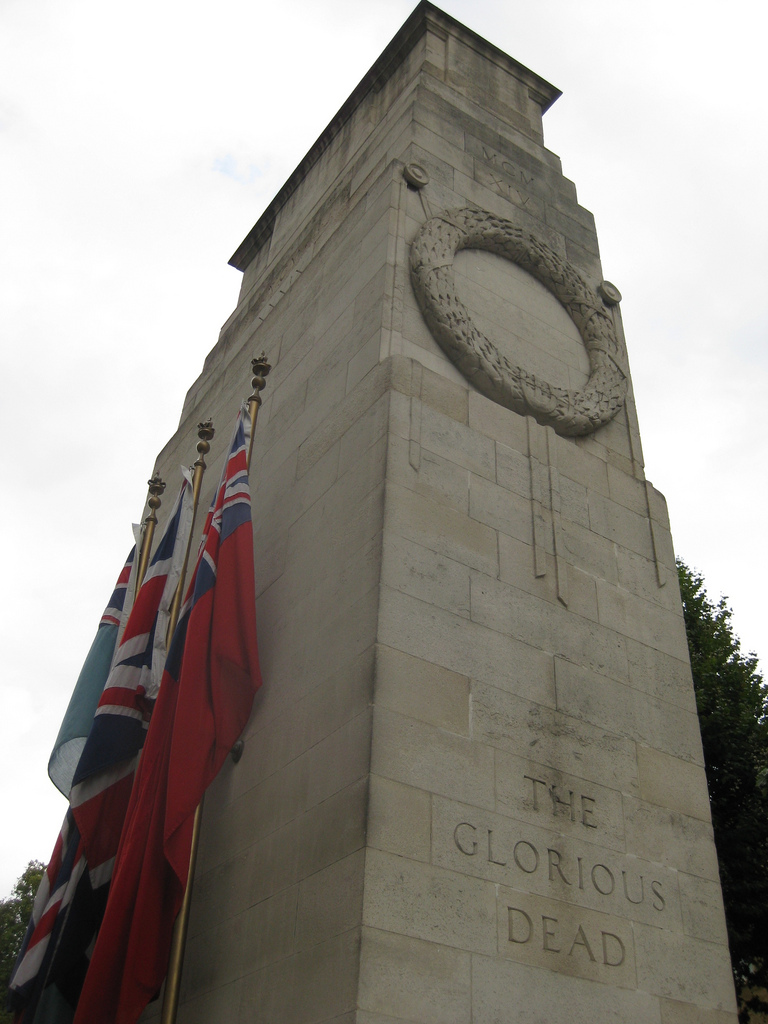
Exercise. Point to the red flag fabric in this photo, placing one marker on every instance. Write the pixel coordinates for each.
(72, 898)
(205, 700)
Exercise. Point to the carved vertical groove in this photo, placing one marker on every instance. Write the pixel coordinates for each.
(655, 541)
(537, 504)
(561, 566)
(414, 442)
(545, 506)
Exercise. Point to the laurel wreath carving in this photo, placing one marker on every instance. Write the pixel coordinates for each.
(571, 412)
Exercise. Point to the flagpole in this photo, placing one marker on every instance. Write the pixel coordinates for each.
(260, 368)
(205, 433)
(156, 488)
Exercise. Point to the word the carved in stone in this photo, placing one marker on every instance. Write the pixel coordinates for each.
(577, 806)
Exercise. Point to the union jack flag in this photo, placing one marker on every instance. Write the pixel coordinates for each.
(102, 784)
(211, 675)
(72, 895)
(78, 717)
(55, 894)
(113, 613)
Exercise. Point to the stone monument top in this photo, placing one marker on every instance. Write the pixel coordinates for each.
(430, 28)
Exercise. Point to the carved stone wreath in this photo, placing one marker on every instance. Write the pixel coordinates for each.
(571, 413)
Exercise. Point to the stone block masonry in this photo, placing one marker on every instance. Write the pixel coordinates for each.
(472, 788)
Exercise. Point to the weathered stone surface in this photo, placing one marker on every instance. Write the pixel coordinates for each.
(549, 628)
(445, 530)
(533, 996)
(417, 754)
(429, 903)
(499, 508)
(399, 819)
(316, 984)
(469, 648)
(416, 570)
(329, 902)
(603, 701)
(515, 723)
(675, 1012)
(422, 690)
(702, 906)
(410, 979)
(673, 783)
(673, 838)
(678, 967)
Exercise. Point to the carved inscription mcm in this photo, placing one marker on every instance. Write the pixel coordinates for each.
(570, 412)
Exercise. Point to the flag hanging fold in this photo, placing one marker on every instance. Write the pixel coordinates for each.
(58, 884)
(103, 778)
(57, 888)
(78, 717)
(72, 896)
(205, 700)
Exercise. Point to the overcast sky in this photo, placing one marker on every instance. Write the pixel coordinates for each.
(139, 144)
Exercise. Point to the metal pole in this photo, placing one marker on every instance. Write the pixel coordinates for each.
(156, 488)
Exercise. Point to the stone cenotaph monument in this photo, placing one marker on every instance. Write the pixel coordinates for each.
(472, 788)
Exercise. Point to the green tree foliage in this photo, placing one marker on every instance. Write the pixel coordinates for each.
(733, 711)
(15, 912)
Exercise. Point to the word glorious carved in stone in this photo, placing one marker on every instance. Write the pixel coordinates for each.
(570, 412)
(524, 858)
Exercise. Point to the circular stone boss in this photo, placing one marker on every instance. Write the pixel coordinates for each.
(570, 412)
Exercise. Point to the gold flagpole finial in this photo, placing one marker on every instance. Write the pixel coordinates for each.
(205, 433)
(260, 369)
(156, 488)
